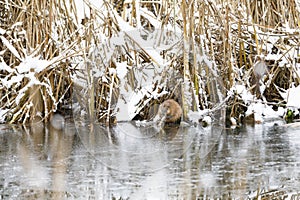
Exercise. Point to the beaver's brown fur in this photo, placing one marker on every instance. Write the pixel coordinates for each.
(170, 111)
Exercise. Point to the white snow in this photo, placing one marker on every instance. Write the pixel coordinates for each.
(14, 79)
(124, 26)
(5, 67)
(82, 9)
(3, 113)
(121, 69)
(32, 81)
(242, 91)
(263, 111)
(207, 119)
(272, 57)
(27, 69)
(292, 97)
(233, 121)
(32, 64)
(123, 112)
(112, 71)
(7, 44)
(118, 40)
(195, 116)
(2, 31)
(259, 108)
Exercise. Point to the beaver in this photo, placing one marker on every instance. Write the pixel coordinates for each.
(170, 111)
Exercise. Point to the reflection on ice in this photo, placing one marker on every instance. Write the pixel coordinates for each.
(95, 162)
(36, 175)
(136, 149)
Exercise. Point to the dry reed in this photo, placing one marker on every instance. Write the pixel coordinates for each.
(220, 40)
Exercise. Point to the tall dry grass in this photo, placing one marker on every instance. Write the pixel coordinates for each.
(33, 32)
(220, 40)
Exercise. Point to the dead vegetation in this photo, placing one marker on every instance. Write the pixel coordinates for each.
(202, 49)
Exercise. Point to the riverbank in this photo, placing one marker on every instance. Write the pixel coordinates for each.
(120, 60)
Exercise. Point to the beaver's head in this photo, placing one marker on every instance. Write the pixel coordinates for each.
(166, 108)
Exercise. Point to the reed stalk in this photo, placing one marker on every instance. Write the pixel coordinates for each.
(220, 39)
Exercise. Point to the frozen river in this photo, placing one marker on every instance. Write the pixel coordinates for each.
(129, 162)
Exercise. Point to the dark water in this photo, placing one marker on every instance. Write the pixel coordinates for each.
(83, 161)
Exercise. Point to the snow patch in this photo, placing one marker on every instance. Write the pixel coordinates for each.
(292, 96)
(242, 91)
(32, 64)
(195, 116)
(207, 119)
(3, 113)
(2, 31)
(14, 79)
(263, 111)
(121, 69)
